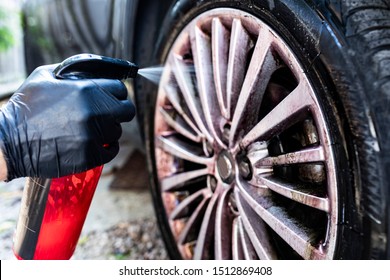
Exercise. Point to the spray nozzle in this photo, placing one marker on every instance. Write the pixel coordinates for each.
(92, 66)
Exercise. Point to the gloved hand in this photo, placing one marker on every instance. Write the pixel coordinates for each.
(52, 128)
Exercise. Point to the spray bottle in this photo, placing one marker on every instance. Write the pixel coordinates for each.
(53, 211)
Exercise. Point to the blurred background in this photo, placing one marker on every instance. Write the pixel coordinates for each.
(12, 61)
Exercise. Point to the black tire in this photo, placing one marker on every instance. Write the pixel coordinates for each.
(150, 15)
(344, 49)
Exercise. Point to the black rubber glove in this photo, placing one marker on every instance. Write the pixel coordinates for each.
(52, 128)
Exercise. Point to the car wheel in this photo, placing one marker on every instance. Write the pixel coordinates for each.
(266, 139)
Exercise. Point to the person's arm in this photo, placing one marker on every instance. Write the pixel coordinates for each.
(52, 127)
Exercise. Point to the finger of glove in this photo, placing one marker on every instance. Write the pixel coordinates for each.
(108, 152)
(107, 133)
(94, 154)
(119, 106)
(124, 112)
(120, 111)
(113, 87)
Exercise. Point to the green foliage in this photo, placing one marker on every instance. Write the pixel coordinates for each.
(6, 37)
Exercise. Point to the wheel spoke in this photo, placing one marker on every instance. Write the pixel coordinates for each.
(206, 232)
(181, 209)
(182, 73)
(261, 67)
(256, 231)
(223, 225)
(307, 195)
(189, 233)
(247, 247)
(296, 235)
(285, 114)
(178, 127)
(201, 49)
(175, 149)
(237, 251)
(220, 39)
(174, 99)
(176, 181)
(304, 156)
(240, 44)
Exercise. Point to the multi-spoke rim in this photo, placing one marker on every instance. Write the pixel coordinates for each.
(242, 147)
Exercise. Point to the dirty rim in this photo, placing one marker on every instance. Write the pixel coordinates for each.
(243, 152)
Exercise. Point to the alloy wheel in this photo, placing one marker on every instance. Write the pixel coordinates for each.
(242, 146)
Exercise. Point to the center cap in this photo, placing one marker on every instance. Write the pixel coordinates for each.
(225, 166)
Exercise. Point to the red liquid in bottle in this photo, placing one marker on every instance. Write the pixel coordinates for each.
(67, 205)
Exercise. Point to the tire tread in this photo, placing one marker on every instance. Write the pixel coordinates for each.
(367, 29)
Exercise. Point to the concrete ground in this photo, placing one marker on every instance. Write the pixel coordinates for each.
(111, 205)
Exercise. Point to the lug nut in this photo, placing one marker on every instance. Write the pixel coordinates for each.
(208, 149)
(245, 169)
(225, 167)
(233, 203)
(212, 183)
(226, 133)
